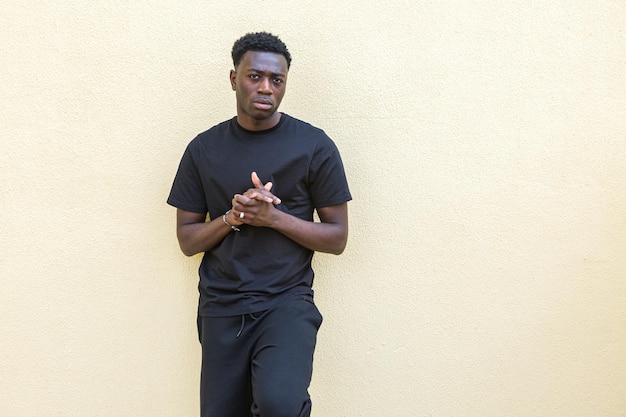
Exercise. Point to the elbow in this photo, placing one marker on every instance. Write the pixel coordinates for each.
(188, 253)
(339, 247)
(186, 248)
(338, 251)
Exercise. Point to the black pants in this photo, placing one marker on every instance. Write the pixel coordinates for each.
(259, 365)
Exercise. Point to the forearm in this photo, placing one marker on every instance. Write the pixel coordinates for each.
(198, 237)
(320, 237)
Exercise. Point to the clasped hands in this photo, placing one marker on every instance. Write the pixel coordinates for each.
(255, 206)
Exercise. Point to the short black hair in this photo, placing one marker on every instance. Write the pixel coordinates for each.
(260, 41)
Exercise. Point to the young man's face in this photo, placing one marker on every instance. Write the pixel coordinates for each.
(259, 82)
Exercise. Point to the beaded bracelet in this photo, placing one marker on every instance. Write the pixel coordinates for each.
(235, 228)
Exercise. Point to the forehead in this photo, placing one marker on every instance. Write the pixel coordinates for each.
(264, 61)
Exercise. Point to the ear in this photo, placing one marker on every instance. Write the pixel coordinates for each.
(233, 79)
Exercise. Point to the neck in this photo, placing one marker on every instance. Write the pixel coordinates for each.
(249, 123)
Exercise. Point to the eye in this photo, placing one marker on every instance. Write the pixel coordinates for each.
(253, 76)
(278, 80)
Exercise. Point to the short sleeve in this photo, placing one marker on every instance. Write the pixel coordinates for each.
(327, 178)
(187, 192)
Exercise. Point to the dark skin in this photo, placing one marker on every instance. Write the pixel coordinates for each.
(259, 82)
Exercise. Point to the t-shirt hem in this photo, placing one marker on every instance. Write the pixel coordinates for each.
(334, 202)
(221, 311)
(185, 207)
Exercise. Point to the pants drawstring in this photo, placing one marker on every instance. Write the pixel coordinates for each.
(243, 321)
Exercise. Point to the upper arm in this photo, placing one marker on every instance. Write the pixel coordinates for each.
(337, 214)
(184, 217)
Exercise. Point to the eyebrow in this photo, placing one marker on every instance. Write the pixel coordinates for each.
(276, 74)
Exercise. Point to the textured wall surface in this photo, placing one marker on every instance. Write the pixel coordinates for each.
(485, 144)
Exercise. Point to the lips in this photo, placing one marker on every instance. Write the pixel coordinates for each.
(263, 104)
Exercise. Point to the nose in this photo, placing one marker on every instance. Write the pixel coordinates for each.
(265, 86)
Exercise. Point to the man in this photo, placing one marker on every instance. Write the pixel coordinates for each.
(259, 177)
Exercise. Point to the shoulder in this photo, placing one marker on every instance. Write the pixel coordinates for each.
(309, 132)
(301, 124)
(210, 135)
(215, 131)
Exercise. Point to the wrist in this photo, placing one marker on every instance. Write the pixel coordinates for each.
(276, 219)
(230, 221)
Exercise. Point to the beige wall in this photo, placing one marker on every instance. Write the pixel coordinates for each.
(486, 149)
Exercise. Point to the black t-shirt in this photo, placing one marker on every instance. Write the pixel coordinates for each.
(254, 269)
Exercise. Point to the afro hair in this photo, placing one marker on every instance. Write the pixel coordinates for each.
(260, 41)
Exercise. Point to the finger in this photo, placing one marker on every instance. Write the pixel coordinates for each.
(260, 195)
(268, 187)
(268, 196)
(256, 180)
(254, 194)
(245, 199)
